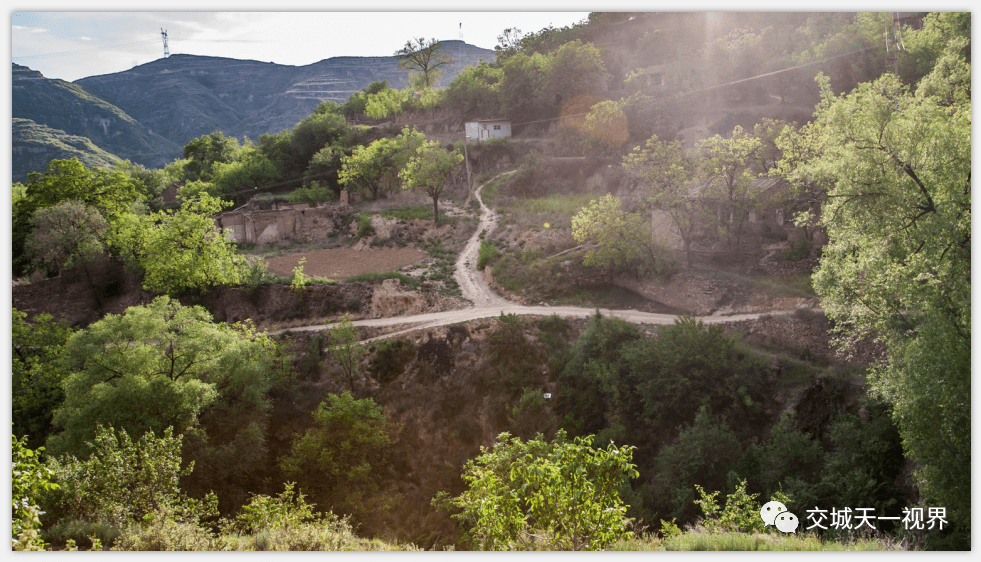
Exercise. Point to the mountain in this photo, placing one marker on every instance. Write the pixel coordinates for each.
(35, 145)
(66, 111)
(185, 96)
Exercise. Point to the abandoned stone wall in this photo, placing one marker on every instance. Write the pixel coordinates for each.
(298, 222)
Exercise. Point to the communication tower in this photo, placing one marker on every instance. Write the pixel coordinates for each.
(163, 34)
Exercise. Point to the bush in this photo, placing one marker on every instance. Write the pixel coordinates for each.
(82, 532)
(487, 254)
(314, 195)
(364, 226)
(799, 251)
(390, 360)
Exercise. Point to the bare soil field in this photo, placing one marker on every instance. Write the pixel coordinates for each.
(341, 263)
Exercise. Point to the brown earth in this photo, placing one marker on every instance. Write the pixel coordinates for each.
(341, 263)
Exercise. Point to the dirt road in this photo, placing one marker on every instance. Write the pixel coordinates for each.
(488, 304)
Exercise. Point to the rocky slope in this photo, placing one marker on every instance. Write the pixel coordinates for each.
(68, 110)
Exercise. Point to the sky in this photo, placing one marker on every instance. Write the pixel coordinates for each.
(73, 45)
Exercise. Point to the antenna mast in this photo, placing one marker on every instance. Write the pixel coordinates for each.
(163, 33)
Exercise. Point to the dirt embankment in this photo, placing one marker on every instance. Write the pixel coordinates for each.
(73, 298)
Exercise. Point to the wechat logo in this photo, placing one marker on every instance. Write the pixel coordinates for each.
(776, 514)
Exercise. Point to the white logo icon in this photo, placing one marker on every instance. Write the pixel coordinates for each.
(770, 511)
(786, 522)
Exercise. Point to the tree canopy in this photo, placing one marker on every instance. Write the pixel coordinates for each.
(897, 167)
(426, 57)
(558, 495)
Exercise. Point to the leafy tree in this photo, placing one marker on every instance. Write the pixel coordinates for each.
(508, 43)
(249, 169)
(606, 125)
(925, 46)
(123, 480)
(667, 172)
(355, 105)
(705, 453)
(66, 235)
(182, 251)
(532, 415)
(898, 266)
(29, 480)
(164, 365)
(691, 365)
(524, 87)
(346, 349)
(559, 495)
(730, 181)
(593, 394)
(375, 168)
(386, 102)
(341, 461)
(514, 360)
(430, 170)
(621, 241)
(204, 152)
(150, 183)
(476, 91)
(36, 374)
(111, 193)
(425, 57)
(576, 68)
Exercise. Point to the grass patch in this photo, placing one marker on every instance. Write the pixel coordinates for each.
(795, 286)
(556, 210)
(409, 212)
(382, 275)
(602, 296)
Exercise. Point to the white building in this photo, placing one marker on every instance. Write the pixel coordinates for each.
(484, 129)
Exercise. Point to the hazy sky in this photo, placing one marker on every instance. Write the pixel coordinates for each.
(72, 45)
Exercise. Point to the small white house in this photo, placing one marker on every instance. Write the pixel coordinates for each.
(488, 129)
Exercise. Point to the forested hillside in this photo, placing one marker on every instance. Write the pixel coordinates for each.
(734, 251)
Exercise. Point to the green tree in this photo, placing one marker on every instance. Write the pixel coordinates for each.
(729, 180)
(29, 480)
(250, 168)
(204, 152)
(375, 169)
(524, 87)
(345, 349)
(66, 235)
(36, 374)
(576, 68)
(476, 91)
(123, 480)
(705, 453)
(342, 461)
(425, 58)
(668, 173)
(558, 495)
(111, 193)
(898, 265)
(182, 251)
(430, 170)
(620, 241)
(165, 365)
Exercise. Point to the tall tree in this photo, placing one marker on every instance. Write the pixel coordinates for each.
(164, 365)
(430, 171)
(425, 57)
(341, 461)
(729, 179)
(898, 265)
(375, 169)
(668, 173)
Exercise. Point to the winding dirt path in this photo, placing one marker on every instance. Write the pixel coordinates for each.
(488, 304)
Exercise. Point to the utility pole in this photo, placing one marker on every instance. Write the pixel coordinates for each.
(466, 157)
(163, 33)
(894, 41)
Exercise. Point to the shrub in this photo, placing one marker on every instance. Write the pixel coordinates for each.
(314, 195)
(487, 254)
(799, 251)
(390, 360)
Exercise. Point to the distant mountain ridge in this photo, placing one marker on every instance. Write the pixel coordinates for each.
(185, 96)
(148, 113)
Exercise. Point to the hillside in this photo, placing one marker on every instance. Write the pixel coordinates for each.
(35, 145)
(67, 107)
(185, 96)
